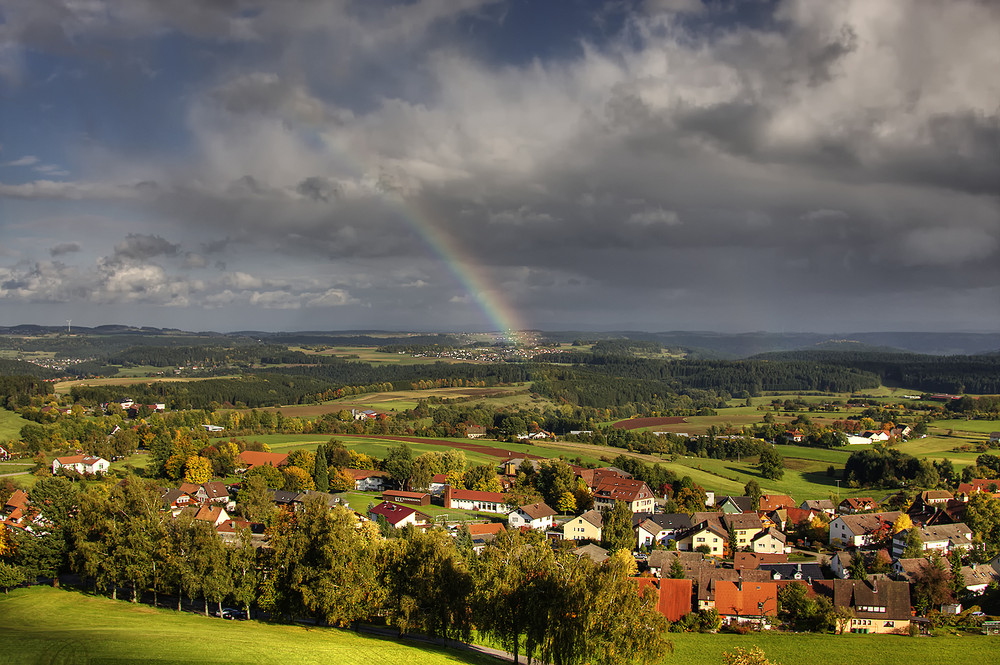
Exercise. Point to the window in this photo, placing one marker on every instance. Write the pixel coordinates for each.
(700, 539)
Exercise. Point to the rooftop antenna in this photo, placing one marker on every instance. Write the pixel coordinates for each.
(69, 327)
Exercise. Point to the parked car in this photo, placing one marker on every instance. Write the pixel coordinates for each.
(231, 614)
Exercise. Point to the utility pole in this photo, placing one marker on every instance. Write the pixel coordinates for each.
(838, 490)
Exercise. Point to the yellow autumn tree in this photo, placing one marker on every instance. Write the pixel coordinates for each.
(197, 470)
(902, 523)
(753, 656)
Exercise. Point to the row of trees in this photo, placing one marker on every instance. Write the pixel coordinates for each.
(322, 564)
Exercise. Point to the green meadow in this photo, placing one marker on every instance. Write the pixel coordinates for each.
(973, 426)
(10, 425)
(44, 625)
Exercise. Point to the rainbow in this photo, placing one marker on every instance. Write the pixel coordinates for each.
(473, 280)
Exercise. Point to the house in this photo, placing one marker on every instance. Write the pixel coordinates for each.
(806, 572)
(595, 553)
(908, 569)
(879, 605)
(285, 499)
(819, 506)
(704, 534)
(941, 537)
(437, 484)
(746, 602)
(673, 597)
(864, 530)
(859, 504)
(248, 459)
(4, 453)
(735, 504)
(213, 514)
(398, 516)
(794, 436)
(994, 437)
(746, 527)
(82, 464)
(708, 579)
(414, 498)
(366, 480)
(931, 497)
(366, 414)
(796, 517)
(214, 428)
(966, 490)
(175, 500)
(584, 527)
(840, 564)
(487, 502)
(475, 431)
(979, 576)
(661, 561)
(215, 492)
(594, 477)
(635, 493)
(754, 560)
(769, 502)
(484, 533)
(534, 516)
(659, 528)
(769, 541)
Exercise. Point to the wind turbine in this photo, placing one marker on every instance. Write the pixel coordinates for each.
(69, 328)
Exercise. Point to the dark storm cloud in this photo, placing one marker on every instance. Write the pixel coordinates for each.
(64, 248)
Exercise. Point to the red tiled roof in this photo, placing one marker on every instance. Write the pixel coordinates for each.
(746, 599)
(493, 528)
(622, 489)
(254, 458)
(393, 513)
(475, 495)
(673, 597)
(771, 502)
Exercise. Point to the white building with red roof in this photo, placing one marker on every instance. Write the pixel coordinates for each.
(635, 493)
(81, 464)
(397, 516)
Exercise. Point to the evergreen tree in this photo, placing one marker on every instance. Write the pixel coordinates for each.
(322, 473)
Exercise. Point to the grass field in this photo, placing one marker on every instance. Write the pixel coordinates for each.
(10, 425)
(283, 443)
(44, 625)
(973, 426)
(63, 387)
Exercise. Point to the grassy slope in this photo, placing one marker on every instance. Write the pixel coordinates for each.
(80, 628)
(10, 425)
(44, 625)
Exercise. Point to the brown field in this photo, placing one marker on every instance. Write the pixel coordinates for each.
(372, 400)
(639, 423)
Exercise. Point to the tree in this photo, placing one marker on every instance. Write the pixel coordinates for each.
(197, 470)
(321, 472)
(982, 514)
(616, 532)
(481, 478)
(271, 476)
(741, 656)
(399, 465)
(554, 478)
(752, 490)
(254, 500)
(567, 503)
(342, 481)
(902, 523)
(914, 546)
(297, 479)
(771, 464)
(10, 576)
(676, 570)
(931, 585)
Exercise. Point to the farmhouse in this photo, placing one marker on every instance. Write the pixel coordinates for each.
(878, 605)
(81, 464)
(487, 502)
(397, 516)
(858, 504)
(366, 480)
(534, 516)
(635, 493)
(862, 530)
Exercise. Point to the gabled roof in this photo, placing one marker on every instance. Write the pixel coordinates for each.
(855, 594)
(664, 559)
(216, 490)
(775, 501)
(17, 500)
(754, 560)
(770, 533)
(232, 525)
(742, 503)
(673, 597)
(742, 521)
(818, 504)
(596, 553)
(475, 495)
(491, 529)
(957, 533)
(170, 497)
(860, 503)
(795, 571)
(252, 458)
(622, 489)
(746, 598)
(361, 474)
(980, 573)
(394, 513)
(210, 513)
(799, 515)
(593, 517)
(868, 522)
(669, 521)
(87, 460)
(189, 488)
(594, 477)
(537, 511)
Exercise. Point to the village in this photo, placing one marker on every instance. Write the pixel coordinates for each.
(877, 570)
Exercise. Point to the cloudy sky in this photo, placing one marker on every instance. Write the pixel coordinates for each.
(792, 165)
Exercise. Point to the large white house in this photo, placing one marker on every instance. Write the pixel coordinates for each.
(81, 464)
(487, 502)
(534, 515)
(862, 530)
